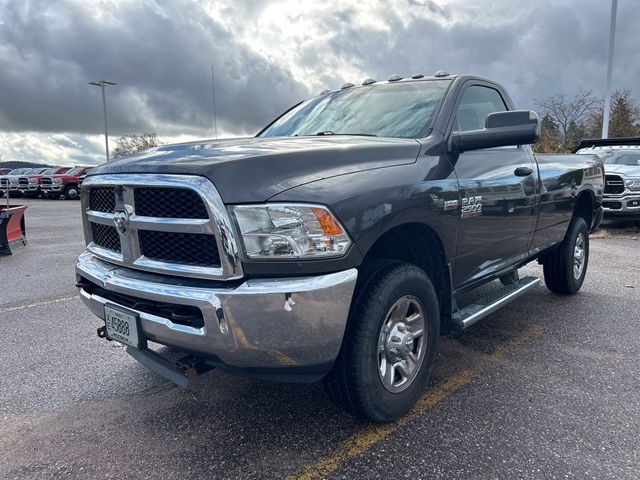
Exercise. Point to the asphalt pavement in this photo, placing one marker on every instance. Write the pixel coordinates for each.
(548, 387)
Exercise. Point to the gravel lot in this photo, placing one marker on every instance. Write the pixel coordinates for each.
(549, 387)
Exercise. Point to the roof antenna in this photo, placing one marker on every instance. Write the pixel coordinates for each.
(213, 94)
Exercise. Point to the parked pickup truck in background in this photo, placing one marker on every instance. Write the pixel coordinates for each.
(621, 158)
(336, 243)
(65, 183)
(10, 182)
(29, 183)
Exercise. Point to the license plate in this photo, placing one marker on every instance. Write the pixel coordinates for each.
(122, 326)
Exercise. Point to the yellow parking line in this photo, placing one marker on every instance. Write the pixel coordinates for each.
(372, 434)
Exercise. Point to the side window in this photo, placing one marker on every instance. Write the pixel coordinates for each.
(477, 102)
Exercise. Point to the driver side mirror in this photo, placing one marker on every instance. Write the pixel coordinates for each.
(515, 127)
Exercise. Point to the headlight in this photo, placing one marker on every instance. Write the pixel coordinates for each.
(633, 183)
(56, 180)
(285, 231)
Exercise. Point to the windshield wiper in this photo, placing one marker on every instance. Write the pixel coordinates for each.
(329, 132)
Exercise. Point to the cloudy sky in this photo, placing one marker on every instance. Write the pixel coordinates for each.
(268, 55)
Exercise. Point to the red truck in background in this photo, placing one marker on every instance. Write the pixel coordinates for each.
(65, 184)
(29, 184)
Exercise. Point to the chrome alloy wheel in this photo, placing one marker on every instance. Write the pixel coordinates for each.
(402, 344)
(579, 256)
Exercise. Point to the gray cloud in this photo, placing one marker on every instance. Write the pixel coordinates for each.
(159, 53)
(269, 55)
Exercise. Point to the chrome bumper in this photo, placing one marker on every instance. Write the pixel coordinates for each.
(261, 323)
(624, 203)
(53, 187)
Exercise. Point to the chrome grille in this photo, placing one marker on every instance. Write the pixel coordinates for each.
(613, 184)
(46, 181)
(106, 237)
(23, 181)
(187, 248)
(171, 224)
(169, 202)
(102, 199)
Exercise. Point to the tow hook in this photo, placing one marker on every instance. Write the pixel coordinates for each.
(102, 333)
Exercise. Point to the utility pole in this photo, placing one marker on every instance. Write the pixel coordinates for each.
(607, 98)
(213, 94)
(102, 83)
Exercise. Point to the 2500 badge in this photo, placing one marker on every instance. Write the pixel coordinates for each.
(471, 206)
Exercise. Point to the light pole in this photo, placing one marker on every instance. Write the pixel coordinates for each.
(102, 83)
(607, 98)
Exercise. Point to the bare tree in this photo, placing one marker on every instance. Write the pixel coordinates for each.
(568, 113)
(130, 144)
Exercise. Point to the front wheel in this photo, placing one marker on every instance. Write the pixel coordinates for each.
(390, 343)
(71, 192)
(566, 267)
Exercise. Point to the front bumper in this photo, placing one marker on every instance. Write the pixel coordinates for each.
(52, 187)
(31, 188)
(258, 324)
(627, 203)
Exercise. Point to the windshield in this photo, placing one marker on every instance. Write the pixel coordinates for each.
(403, 110)
(615, 156)
(74, 171)
(17, 171)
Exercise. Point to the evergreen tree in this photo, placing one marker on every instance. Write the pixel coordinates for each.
(625, 115)
(549, 141)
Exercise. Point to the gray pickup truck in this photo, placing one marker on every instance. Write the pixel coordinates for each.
(621, 158)
(337, 242)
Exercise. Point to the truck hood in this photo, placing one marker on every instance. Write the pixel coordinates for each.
(624, 170)
(255, 169)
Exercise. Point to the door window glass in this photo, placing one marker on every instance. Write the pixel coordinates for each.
(477, 102)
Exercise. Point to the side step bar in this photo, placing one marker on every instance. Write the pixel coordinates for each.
(488, 304)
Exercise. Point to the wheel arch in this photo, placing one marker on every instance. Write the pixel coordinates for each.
(420, 245)
(585, 207)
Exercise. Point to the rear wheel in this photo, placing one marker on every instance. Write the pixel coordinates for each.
(390, 343)
(566, 267)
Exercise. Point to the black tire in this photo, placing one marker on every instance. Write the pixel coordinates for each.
(354, 381)
(559, 274)
(71, 192)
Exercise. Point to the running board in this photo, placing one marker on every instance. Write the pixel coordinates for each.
(488, 304)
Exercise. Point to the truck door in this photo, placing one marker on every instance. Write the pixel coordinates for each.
(497, 193)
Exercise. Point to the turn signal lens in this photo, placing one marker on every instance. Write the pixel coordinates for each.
(329, 225)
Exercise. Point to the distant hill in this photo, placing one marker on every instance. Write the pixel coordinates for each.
(16, 164)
